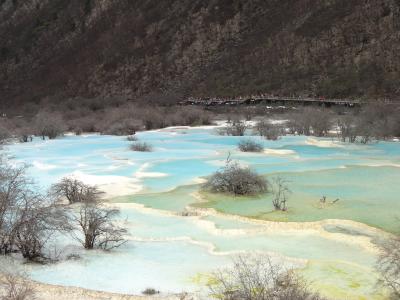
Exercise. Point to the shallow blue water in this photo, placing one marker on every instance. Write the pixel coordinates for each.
(180, 157)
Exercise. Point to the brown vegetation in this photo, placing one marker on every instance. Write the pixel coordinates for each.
(75, 191)
(268, 131)
(141, 147)
(249, 145)
(389, 266)
(258, 278)
(14, 285)
(235, 127)
(27, 219)
(310, 121)
(280, 193)
(236, 180)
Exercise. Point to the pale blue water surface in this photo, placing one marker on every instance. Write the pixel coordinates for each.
(167, 251)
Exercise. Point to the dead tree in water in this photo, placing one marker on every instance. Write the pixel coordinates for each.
(280, 193)
(96, 225)
(74, 190)
(28, 220)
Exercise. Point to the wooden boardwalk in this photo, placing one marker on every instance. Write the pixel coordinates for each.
(270, 100)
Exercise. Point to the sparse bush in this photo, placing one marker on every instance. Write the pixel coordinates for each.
(132, 138)
(268, 131)
(24, 134)
(280, 193)
(14, 285)
(309, 121)
(190, 116)
(49, 125)
(150, 291)
(236, 180)
(153, 119)
(250, 146)
(85, 124)
(141, 147)
(258, 278)
(124, 127)
(347, 130)
(234, 128)
(389, 265)
(4, 134)
(320, 121)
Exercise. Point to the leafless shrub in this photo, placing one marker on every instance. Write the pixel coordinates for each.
(49, 125)
(236, 180)
(320, 121)
(132, 138)
(150, 291)
(235, 128)
(96, 226)
(280, 193)
(25, 135)
(14, 285)
(347, 131)
(310, 121)
(189, 116)
(27, 219)
(268, 131)
(122, 127)
(87, 123)
(389, 266)
(376, 121)
(35, 228)
(153, 119)
(74, 190)
(13, 185)
(258, 278)
(250, 146)
(4, 134)
(141, 147)
(298, 124)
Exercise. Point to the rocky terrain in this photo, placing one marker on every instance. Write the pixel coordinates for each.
(170, 49)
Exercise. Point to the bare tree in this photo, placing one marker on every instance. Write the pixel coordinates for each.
(256, 277)
(27, 219)
(280, 193)
(235, 128)
(389, 265)
(13, 284)
(74, 190)
(96, 226)
(299, 124)
(347, 130)
(37, 222)
(268, 131)
(13, 184)
(310, 121)
(320, 121)
(49, 125)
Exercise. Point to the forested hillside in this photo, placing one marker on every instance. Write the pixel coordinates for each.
(170, 49)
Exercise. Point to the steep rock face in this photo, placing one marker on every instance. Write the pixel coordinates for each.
(131, 48)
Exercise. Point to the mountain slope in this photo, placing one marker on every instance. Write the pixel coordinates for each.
(198, 47)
